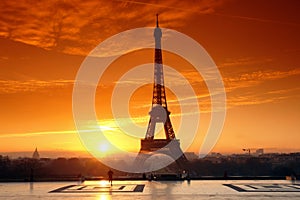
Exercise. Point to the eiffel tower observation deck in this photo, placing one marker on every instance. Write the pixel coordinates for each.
(160, 114)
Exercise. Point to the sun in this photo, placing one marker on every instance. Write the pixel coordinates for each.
(103, 148)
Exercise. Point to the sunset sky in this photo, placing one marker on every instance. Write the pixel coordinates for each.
(255, 45)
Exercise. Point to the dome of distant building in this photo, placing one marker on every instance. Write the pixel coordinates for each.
(36, 154)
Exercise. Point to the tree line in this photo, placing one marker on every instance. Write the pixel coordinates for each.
(75, 168)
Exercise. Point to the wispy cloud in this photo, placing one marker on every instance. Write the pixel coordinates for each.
(247, 96)
(246, 61)
(30, 134)
(241, 88)
(14, 86)
(253, 98)
(58, 132)
(250, 79)
(241, 99)
(208, 7)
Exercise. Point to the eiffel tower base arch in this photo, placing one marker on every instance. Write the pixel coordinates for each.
(150, 148)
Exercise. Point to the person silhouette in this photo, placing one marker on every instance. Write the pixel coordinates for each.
(110, 176)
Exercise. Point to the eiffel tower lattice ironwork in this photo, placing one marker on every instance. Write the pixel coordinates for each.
(159, 114)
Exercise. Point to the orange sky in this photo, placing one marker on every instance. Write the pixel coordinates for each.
(254, 43)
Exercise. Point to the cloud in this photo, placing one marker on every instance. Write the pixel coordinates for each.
(75, 27)
(245, 84)
(208, 7)
(237, 62)
(30, 134)
(41, 133)
(14, 86)
(253, 98)
(251, 79)
(241, 88)
(242, 99)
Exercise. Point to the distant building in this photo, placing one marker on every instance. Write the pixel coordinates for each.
(215, 154)
(191, 155)
(259, 152)
(214, 157)
(36, 154)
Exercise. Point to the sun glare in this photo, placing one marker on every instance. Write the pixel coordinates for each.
(103, 183)
(104, 197)
(103, 148)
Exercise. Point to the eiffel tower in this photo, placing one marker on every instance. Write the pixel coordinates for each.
(160, 114)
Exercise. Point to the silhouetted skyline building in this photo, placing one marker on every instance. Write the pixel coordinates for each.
(36, 154)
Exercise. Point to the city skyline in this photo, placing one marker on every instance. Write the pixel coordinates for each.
(254, 44)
